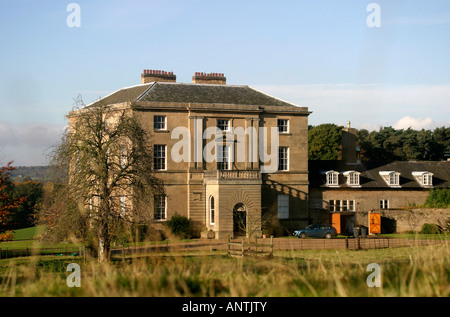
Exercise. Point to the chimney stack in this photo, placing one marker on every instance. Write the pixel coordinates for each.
(349, 144)
(151, 75)
(211, 78)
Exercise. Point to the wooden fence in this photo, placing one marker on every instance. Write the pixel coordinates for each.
(7, 253)
(250, 247)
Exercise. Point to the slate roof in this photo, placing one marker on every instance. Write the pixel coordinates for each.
(194, 93)
(370, 177)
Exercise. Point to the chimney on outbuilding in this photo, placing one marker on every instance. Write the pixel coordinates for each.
(151, 75)
(211, 78)
(349, 149)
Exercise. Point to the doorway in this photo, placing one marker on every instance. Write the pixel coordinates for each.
(239, 220)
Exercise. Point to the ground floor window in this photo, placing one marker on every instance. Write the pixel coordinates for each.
(342, 205)
(160, 207)
(384, 204)
(211, 210)
(283, 206)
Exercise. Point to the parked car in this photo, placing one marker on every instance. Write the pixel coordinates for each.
(319, 231)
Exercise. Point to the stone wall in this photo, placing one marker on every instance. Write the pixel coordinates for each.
(403, 220)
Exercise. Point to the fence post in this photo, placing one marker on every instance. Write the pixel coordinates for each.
(256, 245)
(242, 240)
(271, 244)
(359, 244)
(346, 243)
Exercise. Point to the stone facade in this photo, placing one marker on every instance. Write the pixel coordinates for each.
(243, 194)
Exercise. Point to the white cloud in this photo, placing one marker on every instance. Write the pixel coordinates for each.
(368, 105)
(414, 123)
(27, 143)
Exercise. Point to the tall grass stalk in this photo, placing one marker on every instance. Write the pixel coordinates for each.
(414, 271)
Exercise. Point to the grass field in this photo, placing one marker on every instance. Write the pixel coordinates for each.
(405, 271)
(417, 271)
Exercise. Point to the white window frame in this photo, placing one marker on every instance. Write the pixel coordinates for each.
(332, 178)
(159, 125)
(352, 178)
(384, 203)
(283, 206)
(221, 123)
(160, 204)
(283, 158)
(224, 162)
(341, 205)
(158, 159)
(425, 178)
(391, 178)
(212, 206)
(283, 125)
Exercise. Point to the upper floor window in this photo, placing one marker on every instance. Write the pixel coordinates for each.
(424, 178)
(391, 178)
(224, 159)
(283, 125)
(159, 157)
(159, 123)
(332, 178)
(352, 178)
(283, 158)
(223, 124)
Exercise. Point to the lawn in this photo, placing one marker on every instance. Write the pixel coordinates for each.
(414, 271)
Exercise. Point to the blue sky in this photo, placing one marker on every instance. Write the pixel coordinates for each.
(319, 54)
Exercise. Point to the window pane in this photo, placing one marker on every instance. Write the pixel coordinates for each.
(283, 158)
(283, 125)
(211, 210)
(223, 159)
(283, 206)
(159, 122)
(223, 124)
(159, 153)
(160, 207)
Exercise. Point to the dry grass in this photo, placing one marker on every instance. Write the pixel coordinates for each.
(418, 271)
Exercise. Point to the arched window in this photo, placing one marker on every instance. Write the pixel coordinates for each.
(211, 210)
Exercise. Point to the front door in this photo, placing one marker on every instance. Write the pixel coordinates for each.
(374, 222)
(239, 220)
(336, 222)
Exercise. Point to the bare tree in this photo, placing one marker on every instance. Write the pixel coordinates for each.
(108, 158)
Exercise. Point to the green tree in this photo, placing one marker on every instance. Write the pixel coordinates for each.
(324, 142)
(108, 156)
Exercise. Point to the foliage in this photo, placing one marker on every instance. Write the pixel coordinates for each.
(23, 216)
(108, 159)
(180, 226)
(438, 198)
(389, 144)
(7, 203)
(430, 228)
(324, 142)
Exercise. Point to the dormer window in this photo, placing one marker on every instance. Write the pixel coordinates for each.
(391, 178)
(332, 178)
(425, 178)
(352, 178)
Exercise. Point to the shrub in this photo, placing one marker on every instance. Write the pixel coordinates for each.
(430, 228)
(438, 198)
(180, 226)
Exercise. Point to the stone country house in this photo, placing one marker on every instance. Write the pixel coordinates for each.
(251, 181)
(259, 178)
